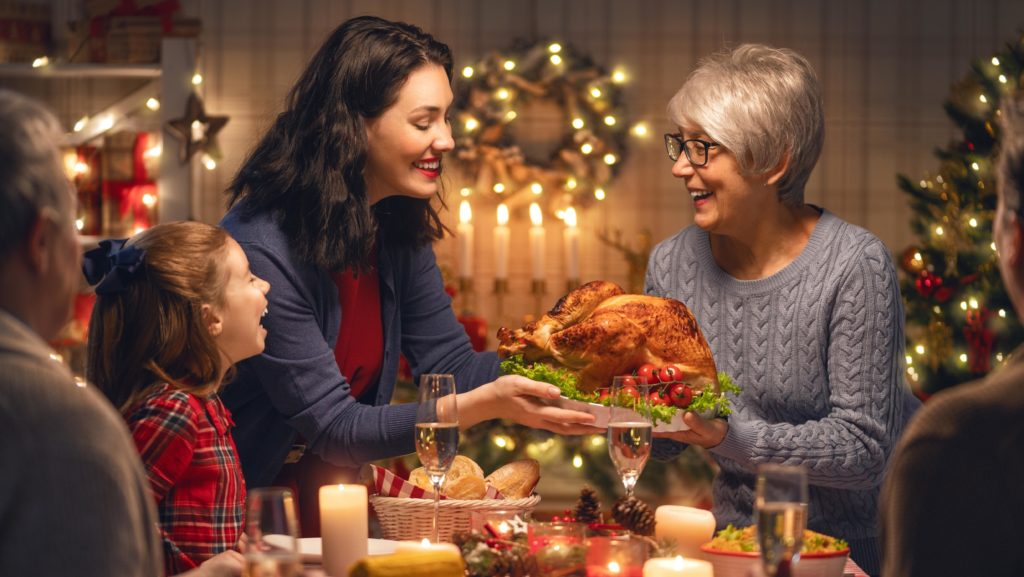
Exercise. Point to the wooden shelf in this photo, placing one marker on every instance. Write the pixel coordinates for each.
(81, 70)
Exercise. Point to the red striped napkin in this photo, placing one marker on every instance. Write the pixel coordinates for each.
(388, 484)
(851, 568)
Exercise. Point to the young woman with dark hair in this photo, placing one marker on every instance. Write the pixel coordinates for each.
(337, 206)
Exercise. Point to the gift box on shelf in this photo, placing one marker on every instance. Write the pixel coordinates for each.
(24, 31)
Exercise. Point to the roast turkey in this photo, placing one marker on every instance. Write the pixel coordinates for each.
(598, 332)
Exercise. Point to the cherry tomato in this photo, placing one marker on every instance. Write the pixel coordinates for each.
(628, 381)
(646, 371)
(656, 398)
(630, 391)
(604, 394)
(680, 395)
(668, 374)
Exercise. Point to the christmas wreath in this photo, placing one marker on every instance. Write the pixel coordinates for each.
(591, 145)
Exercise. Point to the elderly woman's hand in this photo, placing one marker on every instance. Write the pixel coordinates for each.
(229, 563)
(704, 432)
(519, 399)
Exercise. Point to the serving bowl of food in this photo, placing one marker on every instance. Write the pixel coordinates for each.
(733, 551)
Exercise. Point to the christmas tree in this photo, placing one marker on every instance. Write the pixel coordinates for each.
(960, 323)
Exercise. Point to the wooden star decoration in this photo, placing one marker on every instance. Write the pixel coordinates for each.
(196, 131)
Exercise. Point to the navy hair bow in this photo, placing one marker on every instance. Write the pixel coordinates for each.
(113, 265)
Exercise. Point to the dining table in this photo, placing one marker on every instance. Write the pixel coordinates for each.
(310, 553)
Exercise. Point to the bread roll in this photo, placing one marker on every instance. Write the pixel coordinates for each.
(466, 487)
(465, 480)
(517, 479)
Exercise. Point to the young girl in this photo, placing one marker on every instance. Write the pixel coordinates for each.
(176, 307)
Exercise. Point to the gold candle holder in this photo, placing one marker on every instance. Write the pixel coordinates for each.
(538, 289)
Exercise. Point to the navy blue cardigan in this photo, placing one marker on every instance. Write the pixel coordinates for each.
(295, 386)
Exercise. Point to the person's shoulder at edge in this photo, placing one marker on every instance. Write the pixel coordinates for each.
(992, 401)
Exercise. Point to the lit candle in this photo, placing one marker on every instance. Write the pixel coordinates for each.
(465, 240)
(344, 528)
(677, 567)
(571, 237)
(425, 545)
(689, 527)
(501, 239)
(537, 241)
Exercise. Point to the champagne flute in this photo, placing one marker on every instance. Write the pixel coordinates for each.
(272, 534)
(437, 432)
(781, 516)
(629, 428)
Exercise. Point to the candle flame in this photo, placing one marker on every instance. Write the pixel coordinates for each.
(502, 214)
(536, 217)
(614, 567)
(678, 563)
(425, 542)
(570, 217)
(465, 212)
(503, 527)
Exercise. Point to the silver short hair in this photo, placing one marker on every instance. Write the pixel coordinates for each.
(32, 179)
(1010, 166)
(760, 103)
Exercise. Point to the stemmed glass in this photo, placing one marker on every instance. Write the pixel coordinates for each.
(437, 432)
(629, 428)
(781, 516)
(272, 534)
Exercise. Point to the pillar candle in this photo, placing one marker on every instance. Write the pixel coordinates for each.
(571, 238)
(689, 527)
(537, 242)
(501, 240)
(465, 240)
(344, 528)
(677, 567)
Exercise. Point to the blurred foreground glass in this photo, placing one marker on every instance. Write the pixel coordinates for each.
(437, 432)
(272, 534)
(781, 516)
(615, 557)
(629, 428)
(559, 548)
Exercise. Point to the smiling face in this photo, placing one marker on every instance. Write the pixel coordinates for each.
(724, 199)
(405, 144)
(235, 323)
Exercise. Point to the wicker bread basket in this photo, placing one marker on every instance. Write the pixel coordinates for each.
(405, 519)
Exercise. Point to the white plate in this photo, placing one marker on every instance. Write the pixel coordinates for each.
(603, 413)
(311, 551)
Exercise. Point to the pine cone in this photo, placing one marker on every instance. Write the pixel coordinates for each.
(635, 515)
(588, 508)
(515, 562)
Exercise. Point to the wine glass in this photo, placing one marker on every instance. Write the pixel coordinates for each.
(629, 428)
(781, 516)
(437, 432)
(272, 534)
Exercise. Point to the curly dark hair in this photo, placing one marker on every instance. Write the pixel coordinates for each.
(308, 168)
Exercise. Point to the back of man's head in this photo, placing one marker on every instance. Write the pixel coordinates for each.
(1011, 157)
(31, 179)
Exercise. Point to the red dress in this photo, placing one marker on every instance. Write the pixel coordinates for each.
(190, 458)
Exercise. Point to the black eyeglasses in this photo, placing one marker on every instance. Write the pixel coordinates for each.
(695, 149)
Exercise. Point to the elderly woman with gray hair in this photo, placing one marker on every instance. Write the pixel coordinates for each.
(800, 308)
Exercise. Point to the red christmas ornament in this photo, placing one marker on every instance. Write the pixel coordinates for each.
(979, 341)
(927, 284)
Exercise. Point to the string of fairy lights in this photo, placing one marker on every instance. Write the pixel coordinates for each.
(137, 104)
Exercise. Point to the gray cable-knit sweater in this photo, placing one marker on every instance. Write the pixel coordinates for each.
(817, 349)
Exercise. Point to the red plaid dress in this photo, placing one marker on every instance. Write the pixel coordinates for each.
(192, 464)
